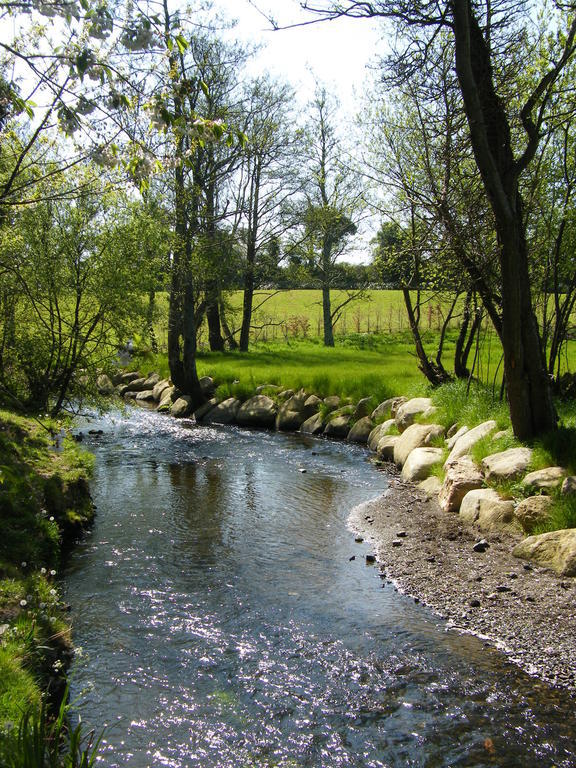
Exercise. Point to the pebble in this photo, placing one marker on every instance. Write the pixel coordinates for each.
(352, 558)
(370, 558)
(401, 534)
(302, 470)
(397, 543)
(481, 546)
(503, 588)
(474, 603)
(358, 539)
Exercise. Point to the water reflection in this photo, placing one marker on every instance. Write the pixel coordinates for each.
(224, 623)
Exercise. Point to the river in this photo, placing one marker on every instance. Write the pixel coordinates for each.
(226, 617)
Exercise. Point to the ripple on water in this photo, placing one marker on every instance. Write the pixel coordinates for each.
(224, 623)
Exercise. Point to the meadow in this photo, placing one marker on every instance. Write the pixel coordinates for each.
(293, 314)
(374, 352)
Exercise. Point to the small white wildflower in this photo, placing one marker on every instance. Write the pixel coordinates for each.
(53, 592)
(52, 573)
(51, 518)
(43, 571)
(23, 603)
(23, 563)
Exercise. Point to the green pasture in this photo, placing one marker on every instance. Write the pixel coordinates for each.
(287, 334)
(297, 314)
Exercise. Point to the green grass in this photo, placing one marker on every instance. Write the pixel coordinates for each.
(383, 372)
(43, 740)
(42, 505)
(459, 404)
(376, 321)
(562, 515)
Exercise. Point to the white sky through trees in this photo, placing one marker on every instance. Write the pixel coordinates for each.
(334, 53)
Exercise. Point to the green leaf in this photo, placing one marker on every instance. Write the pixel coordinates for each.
(84, 59)
(182, 43)
(204, 88)
(170, 44)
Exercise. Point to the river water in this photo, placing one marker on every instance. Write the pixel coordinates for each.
(226, 617)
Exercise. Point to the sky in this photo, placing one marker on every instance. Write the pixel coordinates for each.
(335, 53)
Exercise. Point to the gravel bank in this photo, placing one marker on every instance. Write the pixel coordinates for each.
(526, 611)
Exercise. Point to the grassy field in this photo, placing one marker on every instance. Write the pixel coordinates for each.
(286, 340)
(286, 315)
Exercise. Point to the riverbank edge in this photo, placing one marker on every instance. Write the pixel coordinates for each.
(46, 509)
(522, 610)
(530, 621)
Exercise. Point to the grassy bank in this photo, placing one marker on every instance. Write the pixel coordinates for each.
(44, 506)
(289, 317)
(368, 366)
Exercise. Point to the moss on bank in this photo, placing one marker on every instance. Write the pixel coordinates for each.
(44, 506)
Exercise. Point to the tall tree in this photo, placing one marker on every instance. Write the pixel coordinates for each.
(330, 203)
(266, 182)
(77, 284)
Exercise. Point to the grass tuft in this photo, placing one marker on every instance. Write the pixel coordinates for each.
(457, 404)
(562, 515)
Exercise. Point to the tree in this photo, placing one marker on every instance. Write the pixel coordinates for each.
(76, 294)
(503, 150)
(330, 201)
(423, 176)
(551, 231)
(266, 183)
(216, 166)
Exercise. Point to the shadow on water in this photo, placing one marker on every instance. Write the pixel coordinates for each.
(227, 618)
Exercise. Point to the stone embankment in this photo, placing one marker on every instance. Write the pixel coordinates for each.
(401, 431)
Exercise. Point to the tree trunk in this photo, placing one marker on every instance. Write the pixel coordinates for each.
(327, 317)
(228, 335)
(327, 246)
(248, 298)
(435, 374)
(215, 338)
(529, 393)
(465, 339)
(252, 238)
(182, 329)
(150, 313)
